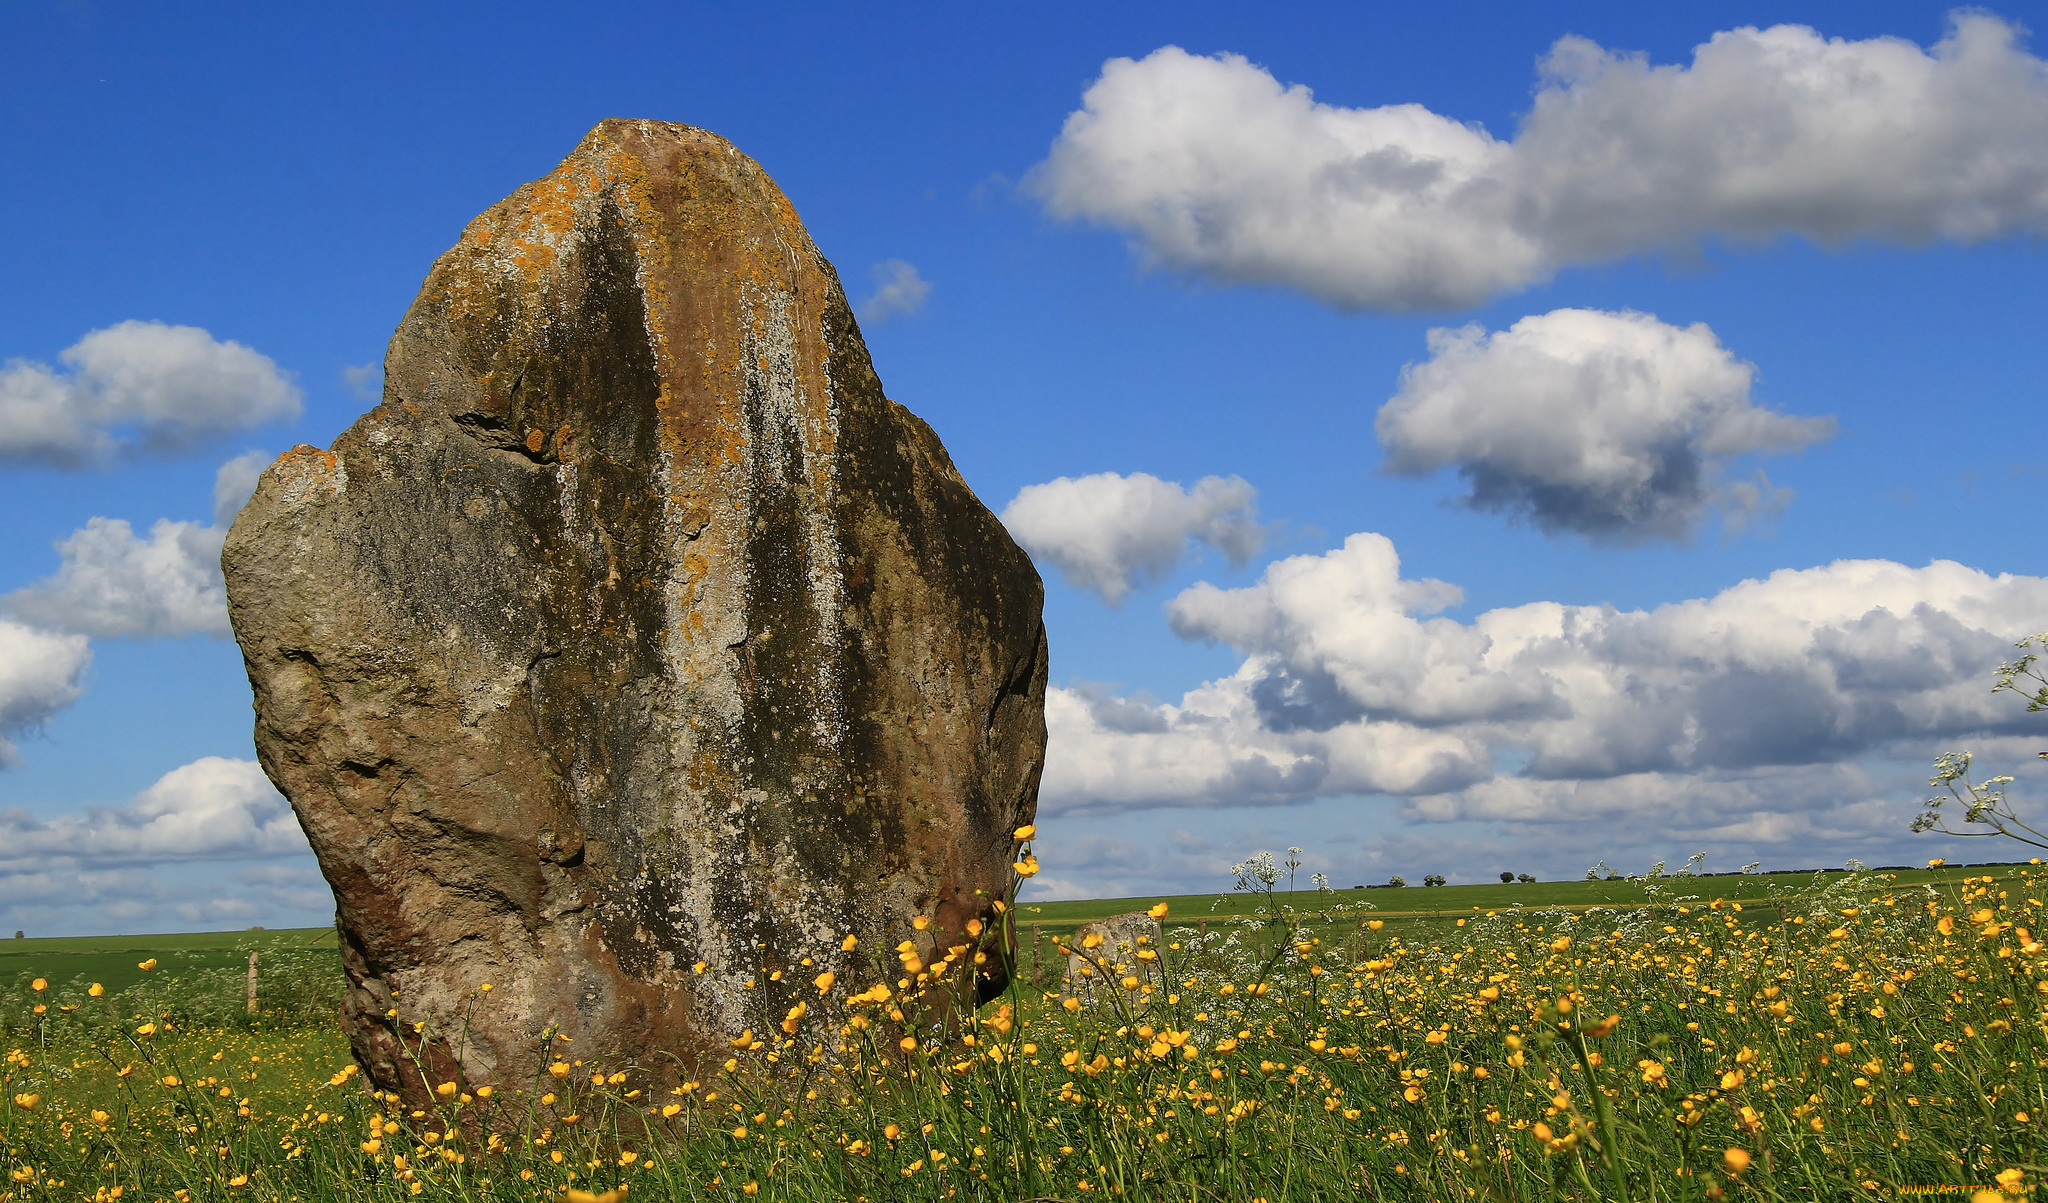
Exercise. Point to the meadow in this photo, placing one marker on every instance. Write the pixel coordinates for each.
(1870, 1035)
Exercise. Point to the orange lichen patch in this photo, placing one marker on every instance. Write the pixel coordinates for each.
(554, 204)
(535, 440)
(324, 460)
(306, 468)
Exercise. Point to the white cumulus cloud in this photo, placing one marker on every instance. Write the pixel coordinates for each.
(41, 672)
(214, 808)
(113, 583)
(1215, 167)
(899, 290)
(210, 844)
(137, 386)
(234, 482)
(1109, 533)
(1616, 426)
(1353, 682)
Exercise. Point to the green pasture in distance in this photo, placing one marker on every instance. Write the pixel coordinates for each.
(1429, 905)
(112, 960)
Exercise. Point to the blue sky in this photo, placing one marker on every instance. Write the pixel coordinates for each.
(1201, 294)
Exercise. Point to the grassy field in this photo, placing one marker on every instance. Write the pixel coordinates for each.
(112, 960)
(1781, 1037)
(1436, 902)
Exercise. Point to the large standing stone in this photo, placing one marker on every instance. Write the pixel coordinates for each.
(635, 628)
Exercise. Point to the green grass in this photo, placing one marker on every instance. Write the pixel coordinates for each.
(1843, 1035)
(1415, 911)
(113, 960)
(1438, 903)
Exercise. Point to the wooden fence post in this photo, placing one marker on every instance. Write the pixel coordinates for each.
(252, 981)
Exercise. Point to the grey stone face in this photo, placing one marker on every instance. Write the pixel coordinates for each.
(636, 628)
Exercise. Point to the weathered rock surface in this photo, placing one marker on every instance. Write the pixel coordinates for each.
(1106, 951)
(635, 628)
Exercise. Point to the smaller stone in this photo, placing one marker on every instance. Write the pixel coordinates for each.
(1094, 973)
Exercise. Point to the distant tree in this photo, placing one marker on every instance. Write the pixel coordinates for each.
(1433, 879)
(1397, 880)
(1526, 878)
(1507, 879)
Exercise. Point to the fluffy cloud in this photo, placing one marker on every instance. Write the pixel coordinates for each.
(113, 583)
(210, 844)
(898, 290)
(136, 899)
(40, 674)
(1109, 533)
(139, 386)
(1612, 425)
(1551, 829)
(212, 809)
(1215, 167)
(1354, 683)
(234, 482)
